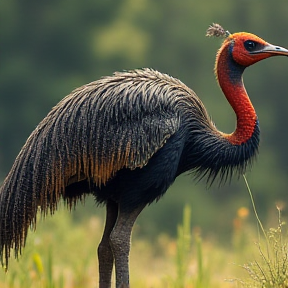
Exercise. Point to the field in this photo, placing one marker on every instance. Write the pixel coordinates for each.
(63, 254)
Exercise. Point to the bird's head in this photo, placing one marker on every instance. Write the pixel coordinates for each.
(247, 48)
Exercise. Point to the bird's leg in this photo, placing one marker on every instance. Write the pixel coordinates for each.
(120, 244)
(105, 254)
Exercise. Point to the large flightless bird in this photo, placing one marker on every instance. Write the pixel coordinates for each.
(125, 139)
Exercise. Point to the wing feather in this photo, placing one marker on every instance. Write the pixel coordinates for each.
(100, 128)
(113, 123)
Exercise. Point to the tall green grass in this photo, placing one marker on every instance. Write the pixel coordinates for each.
(185, 241)
(183, 248)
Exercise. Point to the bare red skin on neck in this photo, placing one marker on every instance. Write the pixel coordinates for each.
(235, 92)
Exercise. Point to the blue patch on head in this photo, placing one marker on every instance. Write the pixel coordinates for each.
(235, 70)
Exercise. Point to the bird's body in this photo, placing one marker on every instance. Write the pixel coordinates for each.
(125, 139)
(150, 144)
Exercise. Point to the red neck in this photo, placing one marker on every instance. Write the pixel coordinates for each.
(229, 75)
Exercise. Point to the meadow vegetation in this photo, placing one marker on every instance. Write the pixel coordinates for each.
(62, 254)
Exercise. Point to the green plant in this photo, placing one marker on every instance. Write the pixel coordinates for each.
(271, 269)
(183, 255)
(183, 248)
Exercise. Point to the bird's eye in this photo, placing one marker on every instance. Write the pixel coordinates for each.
(250, 45)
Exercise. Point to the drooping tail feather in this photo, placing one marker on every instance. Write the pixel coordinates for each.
(32, 182)
(54, 156)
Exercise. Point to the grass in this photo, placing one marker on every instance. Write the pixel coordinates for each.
(271, 267)
(62, 254)
(270, 270)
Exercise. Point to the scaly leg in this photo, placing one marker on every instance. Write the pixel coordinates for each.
(120, 244)
(105, 254)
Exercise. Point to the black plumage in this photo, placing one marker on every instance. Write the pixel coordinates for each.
(108, 138)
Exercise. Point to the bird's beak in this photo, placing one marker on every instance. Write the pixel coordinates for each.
(272, 50)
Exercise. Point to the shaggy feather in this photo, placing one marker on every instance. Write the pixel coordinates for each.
(115, 123)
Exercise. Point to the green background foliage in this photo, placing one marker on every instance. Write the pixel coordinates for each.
(48, 48)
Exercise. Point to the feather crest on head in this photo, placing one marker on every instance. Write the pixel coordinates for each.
(217, 30)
